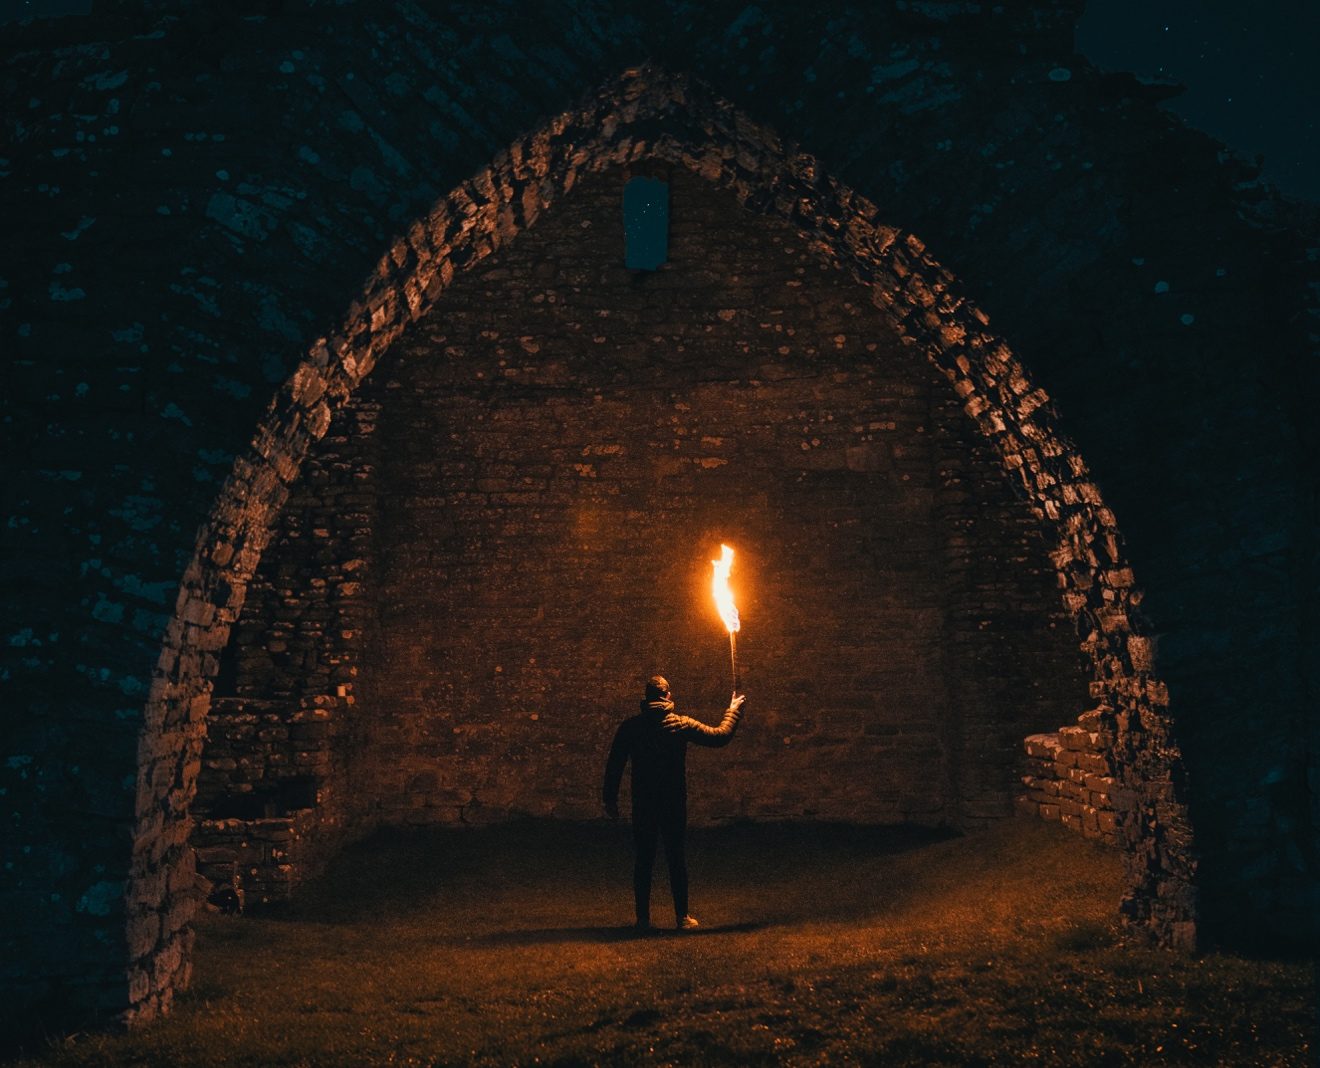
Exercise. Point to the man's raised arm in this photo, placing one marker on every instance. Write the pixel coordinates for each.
(693, 730)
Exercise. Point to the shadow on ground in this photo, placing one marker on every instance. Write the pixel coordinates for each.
(784, 873)
(543, 935)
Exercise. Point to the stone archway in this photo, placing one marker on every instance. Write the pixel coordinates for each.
(646, 114)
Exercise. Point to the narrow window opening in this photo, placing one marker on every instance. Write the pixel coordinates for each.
(645, 223)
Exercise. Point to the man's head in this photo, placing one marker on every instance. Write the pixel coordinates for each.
(657, 688)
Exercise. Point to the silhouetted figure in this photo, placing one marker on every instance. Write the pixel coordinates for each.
(656, 742)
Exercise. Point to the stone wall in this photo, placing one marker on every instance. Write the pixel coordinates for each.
(1069, 778)
(277, 793)
(302, 621)
(253, 862)
(272, 796)
(565, 443)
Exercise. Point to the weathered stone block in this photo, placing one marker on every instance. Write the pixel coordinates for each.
(1075, 739)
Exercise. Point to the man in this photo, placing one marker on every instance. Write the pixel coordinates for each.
(656, 742)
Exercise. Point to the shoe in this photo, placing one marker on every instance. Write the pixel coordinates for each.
(643, 927)
(687, 923)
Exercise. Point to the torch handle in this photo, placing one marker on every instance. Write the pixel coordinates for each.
(733, 658)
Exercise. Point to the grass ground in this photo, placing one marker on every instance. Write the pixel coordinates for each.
(819, 945)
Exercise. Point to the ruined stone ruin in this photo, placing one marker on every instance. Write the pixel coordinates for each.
(356, 481)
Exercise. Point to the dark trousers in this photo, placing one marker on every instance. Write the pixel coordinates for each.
(650, 825)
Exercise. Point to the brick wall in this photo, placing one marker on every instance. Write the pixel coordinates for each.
(562, 446)
(277, 792)
(1070, 778)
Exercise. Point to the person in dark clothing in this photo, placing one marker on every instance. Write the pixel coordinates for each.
(656, 742)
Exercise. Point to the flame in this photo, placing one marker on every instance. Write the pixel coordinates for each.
(720, 588)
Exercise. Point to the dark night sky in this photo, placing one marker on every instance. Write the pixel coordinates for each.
(1251, 72)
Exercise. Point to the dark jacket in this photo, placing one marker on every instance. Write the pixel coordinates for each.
(656, 742)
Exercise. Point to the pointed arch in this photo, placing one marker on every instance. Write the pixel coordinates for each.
(649, 114)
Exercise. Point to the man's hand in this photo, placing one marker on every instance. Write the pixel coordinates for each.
(612, 811)
(736, 701)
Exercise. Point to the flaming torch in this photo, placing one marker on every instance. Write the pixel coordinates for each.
(724, 603)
